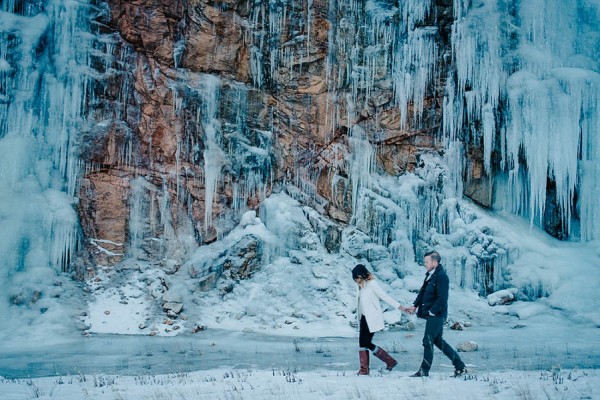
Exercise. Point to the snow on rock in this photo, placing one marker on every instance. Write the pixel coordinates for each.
(171, 297)
(501, 297)
(529, 310)
(249, 218)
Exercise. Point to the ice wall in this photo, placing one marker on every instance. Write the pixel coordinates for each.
(44, 79)
(526, 87)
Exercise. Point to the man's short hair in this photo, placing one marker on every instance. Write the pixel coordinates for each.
(435, 256)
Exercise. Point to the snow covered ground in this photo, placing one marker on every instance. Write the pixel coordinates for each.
(320, 384)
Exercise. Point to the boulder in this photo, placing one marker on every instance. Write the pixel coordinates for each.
(174, 307)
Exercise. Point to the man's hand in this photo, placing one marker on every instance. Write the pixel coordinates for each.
(411, 309)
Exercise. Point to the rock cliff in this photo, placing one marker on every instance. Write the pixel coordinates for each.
(263, 92)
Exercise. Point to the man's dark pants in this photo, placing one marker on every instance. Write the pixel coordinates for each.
(433, 336)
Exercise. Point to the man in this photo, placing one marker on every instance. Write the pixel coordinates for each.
(432, 304)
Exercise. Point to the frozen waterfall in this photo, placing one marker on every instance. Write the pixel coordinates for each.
(526, 85)
(44, 79)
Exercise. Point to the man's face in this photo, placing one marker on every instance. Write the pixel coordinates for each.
(430, 264)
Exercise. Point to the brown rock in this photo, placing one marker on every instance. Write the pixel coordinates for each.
(104, 213)
(215, 42)
(148, 25)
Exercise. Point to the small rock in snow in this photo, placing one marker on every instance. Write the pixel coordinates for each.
(467, 346)
(457, 326)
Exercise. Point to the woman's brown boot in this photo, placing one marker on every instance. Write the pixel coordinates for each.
(364, 362)
(389, 361)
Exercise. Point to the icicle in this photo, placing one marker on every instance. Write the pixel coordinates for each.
(309, 23)
(456, 163)
(452, 112)
(489, 133)
(177, 104)
(257, 43)
(214, 157)
(362, 159)
(479, 67)
(139, 200)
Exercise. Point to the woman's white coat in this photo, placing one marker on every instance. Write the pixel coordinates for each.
(368, 304)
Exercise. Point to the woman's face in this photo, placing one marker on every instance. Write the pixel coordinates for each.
(359, 281)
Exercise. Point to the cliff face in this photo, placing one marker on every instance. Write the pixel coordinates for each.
(238, 96)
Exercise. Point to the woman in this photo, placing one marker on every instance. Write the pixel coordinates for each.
(370, 318)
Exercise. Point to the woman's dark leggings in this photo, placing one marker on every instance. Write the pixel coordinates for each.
(365, 337)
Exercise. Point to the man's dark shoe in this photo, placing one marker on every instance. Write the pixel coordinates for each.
(419, 374)
(460, 372)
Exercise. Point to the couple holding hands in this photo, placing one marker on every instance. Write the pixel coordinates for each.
(431, 304)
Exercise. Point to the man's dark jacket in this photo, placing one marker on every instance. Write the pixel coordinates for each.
(433, 296)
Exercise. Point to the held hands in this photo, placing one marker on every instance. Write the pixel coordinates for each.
(410, 310)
